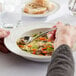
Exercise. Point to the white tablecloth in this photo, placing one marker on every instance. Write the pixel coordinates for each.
(13, 65)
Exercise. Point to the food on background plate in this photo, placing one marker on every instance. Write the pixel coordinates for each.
(38, 7)
(43, 45)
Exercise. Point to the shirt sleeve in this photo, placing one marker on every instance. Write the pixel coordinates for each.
(62, 63)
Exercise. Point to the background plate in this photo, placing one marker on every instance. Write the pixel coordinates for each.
(57, 7)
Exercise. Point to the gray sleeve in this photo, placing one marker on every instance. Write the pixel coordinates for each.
(62, 63)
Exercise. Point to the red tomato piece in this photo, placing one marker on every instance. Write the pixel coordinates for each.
(21, 46)
(33, 49)
(34, 52)
(44, 52)
(29, 45)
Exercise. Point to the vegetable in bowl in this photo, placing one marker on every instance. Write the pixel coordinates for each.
(42, 46)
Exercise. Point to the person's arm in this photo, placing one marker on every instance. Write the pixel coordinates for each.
(62, 63)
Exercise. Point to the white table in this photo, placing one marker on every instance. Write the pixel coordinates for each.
(13, 65)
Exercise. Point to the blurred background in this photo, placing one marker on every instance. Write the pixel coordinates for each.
(11, 12)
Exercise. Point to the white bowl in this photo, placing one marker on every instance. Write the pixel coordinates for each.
(16, 33)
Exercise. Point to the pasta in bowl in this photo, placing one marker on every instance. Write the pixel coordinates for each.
(42, 46)
(20, 32)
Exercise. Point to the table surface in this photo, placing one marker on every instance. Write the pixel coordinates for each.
(18, 66)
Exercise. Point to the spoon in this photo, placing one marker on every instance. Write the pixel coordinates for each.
(29, 39)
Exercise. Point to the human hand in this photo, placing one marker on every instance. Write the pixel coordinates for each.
(65, 35)
(3, 34)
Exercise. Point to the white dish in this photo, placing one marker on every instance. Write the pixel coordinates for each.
(57, 7)
(16, 33)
